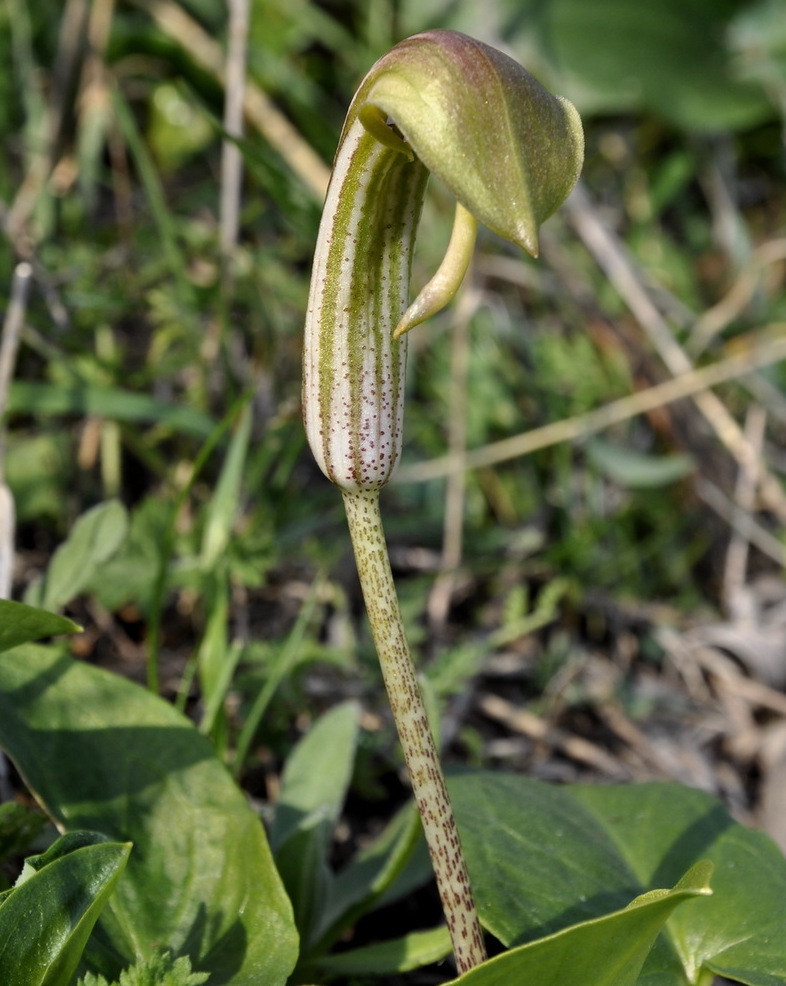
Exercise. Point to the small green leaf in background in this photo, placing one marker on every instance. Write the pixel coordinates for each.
(94, 538)
(130, 574)
(37, 469)
(394, 865)
(317, 773)
(20, 624)
(216, 659)
(413, 951)
(608, 951)
(757, 39)
(564, 855)
(104, 754)
(636, 470)
(85, 400)
(46, 919)
(18, 828)
(314, 785)
(179, 128)
(223, 507)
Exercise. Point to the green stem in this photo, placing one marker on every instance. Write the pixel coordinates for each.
(409, 713)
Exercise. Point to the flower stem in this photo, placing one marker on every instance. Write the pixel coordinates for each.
(409, 713)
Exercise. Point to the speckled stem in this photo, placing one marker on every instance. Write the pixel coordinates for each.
(409, 713)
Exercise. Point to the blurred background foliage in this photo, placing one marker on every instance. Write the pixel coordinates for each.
(146, 336)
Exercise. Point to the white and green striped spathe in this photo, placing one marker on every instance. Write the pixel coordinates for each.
(353, 379)
(510, 152)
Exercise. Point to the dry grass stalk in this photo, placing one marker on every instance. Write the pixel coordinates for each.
(260, 111)
(772, 349)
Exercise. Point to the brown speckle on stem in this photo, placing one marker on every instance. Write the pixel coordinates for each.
(409, 713)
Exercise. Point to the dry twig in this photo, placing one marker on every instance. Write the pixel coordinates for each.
(9, 346)
(259, 108)
(231, 158)
(575, 747)
(765, 353)
(612, 257)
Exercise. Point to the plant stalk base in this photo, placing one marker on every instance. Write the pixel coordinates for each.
(420, 752)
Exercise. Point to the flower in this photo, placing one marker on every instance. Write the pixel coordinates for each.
(440, 103)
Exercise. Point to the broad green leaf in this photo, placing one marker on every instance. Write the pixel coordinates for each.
(635, 470)
(102, 753)
(94, 538)
(662, 828)
(19, 624)
(45, 399)
(314, 784)
(564, 855)
(549, 864)
(608, 951)
(46, 919)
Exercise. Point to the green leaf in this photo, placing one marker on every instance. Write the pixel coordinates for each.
(636, 470)
(314, 785)
(757, 40)
(317, 773)
(668, 58)
(37, 469)
(84, 399)
(18, 828)
(66, 844)
(608, 951)
(216, 659)
(102, 753)
(94, 538)
(549, 864)
(223, 506)
(19, 624)
(386, 958)
(560, 856)
(660, 829)
(46, 920)
(395, 864)
(130, 574)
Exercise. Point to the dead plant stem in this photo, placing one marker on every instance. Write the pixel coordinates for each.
(772, 349)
